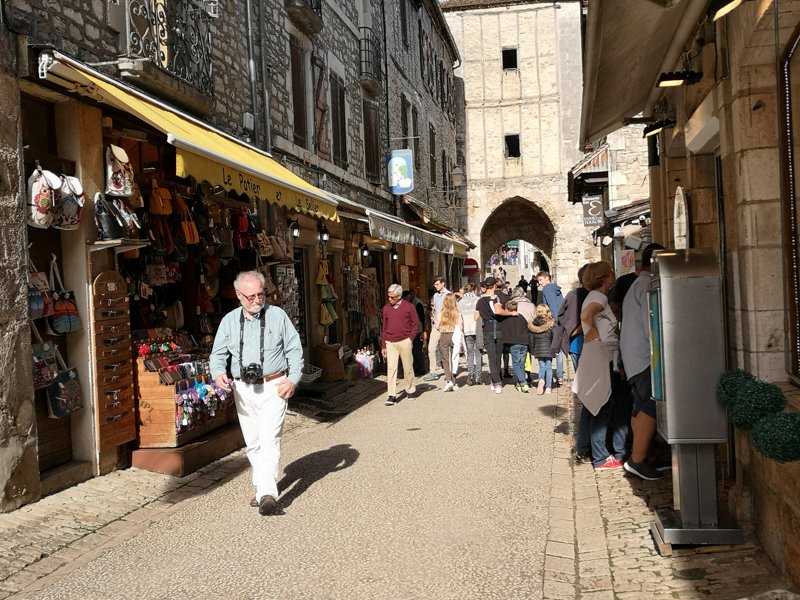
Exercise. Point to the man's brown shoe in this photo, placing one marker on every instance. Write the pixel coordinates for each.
(267, 505)
(254, 502)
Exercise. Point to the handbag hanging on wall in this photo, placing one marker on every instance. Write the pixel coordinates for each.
(45, 367)
(64, 394)
(40, 296)
(65, 318)
(110, 224)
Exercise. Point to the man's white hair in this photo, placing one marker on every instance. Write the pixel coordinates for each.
(396, 289)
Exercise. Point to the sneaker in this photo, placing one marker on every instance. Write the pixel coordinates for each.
(548, 390)
(643, 470)
(540, 387)
(661, 465)
(430, 377)
(448, 387)
(267, 505)
(523, 388)
(469, 380)
(610, 463)
(390, 401)
(498, 388)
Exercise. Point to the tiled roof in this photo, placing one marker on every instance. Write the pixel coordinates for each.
(453, 5)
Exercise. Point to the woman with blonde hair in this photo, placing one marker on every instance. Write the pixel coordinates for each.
(596, 380)
(451, 328)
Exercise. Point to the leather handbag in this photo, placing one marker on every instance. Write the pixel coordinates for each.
(110, 225)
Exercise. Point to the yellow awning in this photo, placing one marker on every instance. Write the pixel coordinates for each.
(203, 152)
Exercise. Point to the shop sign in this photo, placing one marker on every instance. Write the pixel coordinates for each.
(400, 171)
(592, 210)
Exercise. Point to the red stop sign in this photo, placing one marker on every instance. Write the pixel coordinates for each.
(470, 267)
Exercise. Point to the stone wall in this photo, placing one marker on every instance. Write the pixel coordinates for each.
(540, 101)
(628, 180)
(19, 465)
(406, 77)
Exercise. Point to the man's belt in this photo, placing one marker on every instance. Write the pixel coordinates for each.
(267, 378)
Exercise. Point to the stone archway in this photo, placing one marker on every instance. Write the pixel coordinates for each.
(517, 219)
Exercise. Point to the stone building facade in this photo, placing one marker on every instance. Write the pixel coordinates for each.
(737, 172)
(303, 79)
(521, 77)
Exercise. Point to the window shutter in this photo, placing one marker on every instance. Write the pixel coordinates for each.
(433, 154)
(321, 141)
(298, 92)
(372, 161)
(338, 119)
(404, 120)
(415, 133)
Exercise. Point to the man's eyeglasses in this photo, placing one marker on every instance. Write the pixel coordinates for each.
(252, 298)
(393, 297)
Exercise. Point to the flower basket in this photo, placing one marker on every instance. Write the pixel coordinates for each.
(310, 373)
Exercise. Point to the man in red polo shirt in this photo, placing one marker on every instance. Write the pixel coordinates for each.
(400, 325)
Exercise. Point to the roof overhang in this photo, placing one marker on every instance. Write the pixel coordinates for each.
(589, 176)
(628, 44)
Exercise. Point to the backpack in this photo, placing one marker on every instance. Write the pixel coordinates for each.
(43, 187)
(119, 173)
(68, 204)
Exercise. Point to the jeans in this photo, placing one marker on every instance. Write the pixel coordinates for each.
(546, 371)
(575, 358)
(615, 415)
(518, 354)
(583, 443)
(473, 355)
(559, 365)
(494, 352)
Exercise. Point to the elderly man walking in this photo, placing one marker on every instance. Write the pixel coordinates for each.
(266, 362)
(399, 326)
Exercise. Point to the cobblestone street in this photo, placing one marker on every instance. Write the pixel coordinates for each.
(457, 495)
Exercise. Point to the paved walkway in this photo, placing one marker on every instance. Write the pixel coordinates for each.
(462, 495)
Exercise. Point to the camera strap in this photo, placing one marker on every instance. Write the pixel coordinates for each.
(263, 318)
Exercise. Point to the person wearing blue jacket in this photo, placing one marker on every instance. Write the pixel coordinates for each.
(550, 294)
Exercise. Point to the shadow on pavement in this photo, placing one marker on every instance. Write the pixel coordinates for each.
(304, 472)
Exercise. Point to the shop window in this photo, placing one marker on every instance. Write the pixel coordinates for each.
(338, 121)
(509, 56)
(372, 159)
(512, 146)
(298, 64)
(789, 105)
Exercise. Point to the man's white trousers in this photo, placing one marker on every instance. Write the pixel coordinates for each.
(261, 412)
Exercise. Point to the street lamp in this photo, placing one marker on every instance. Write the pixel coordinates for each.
(324, 236)
(294, 227)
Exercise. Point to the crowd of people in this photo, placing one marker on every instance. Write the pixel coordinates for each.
(525, 337)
